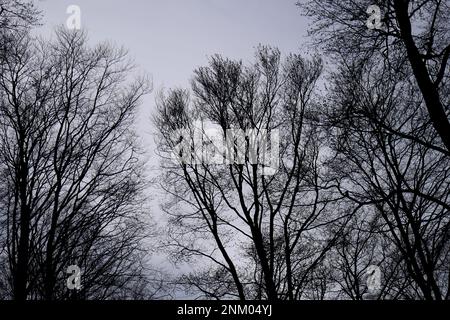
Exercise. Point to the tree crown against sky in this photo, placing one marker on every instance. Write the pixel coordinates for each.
(71, 170)
(356, 207)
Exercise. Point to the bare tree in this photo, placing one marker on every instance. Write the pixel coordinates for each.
(71, 167)
(412, 32)
(401, 180)
(265, 234)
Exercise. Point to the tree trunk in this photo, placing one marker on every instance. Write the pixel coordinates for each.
(428, 89)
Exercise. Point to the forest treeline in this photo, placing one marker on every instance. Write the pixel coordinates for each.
(358, 207)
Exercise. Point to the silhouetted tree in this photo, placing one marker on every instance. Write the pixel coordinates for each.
(265, 234)
(70, 169)
(413, 32)
(388, 126)
(402, 181)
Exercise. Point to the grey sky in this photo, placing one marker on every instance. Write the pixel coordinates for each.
(169, 38)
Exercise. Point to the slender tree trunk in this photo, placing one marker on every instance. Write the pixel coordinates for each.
(268, 279)
(21, 270)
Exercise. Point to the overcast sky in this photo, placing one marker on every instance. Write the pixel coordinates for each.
(169, 38)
